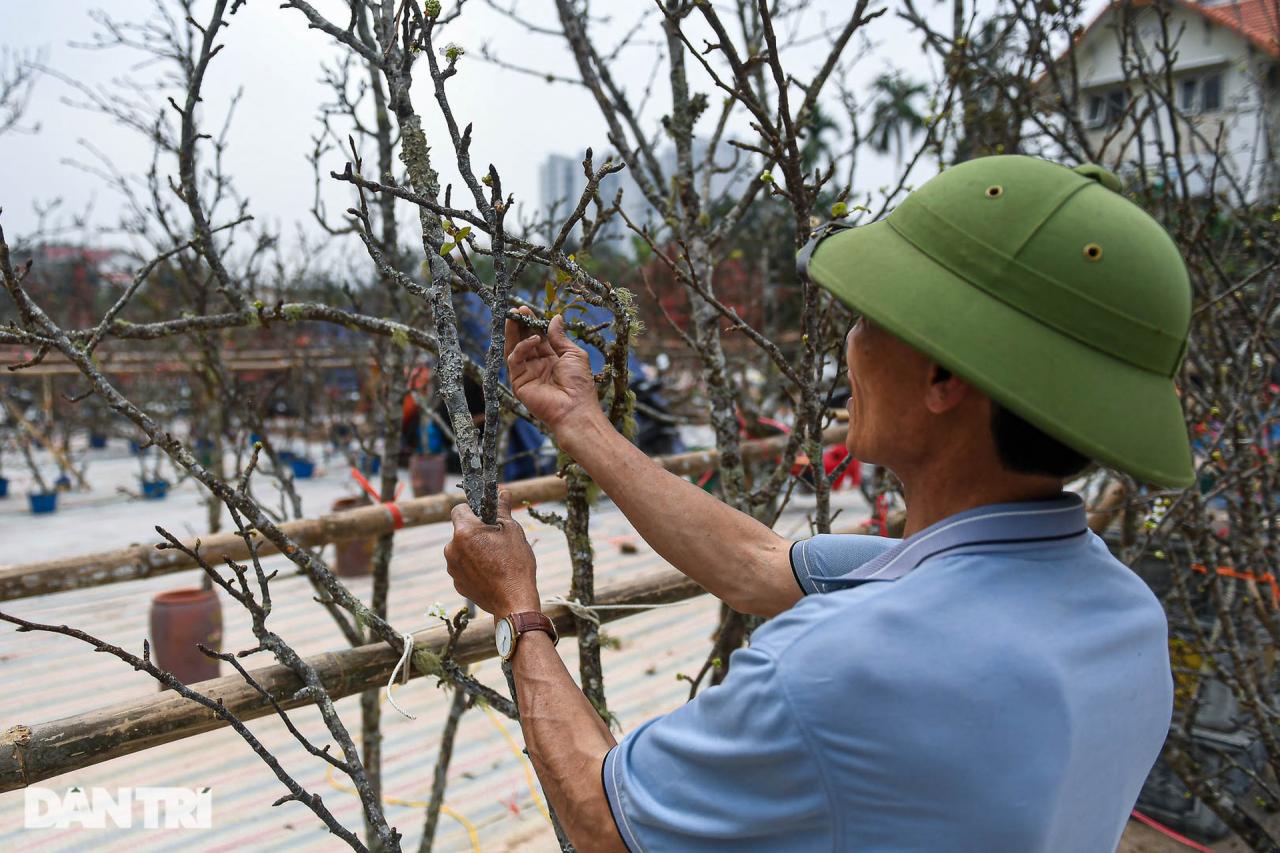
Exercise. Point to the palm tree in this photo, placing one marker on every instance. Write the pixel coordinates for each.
(895, 120)
(815, 148)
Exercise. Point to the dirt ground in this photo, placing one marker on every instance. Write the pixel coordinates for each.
(1143, 839)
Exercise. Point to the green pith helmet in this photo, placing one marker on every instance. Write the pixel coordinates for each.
(1045, 288)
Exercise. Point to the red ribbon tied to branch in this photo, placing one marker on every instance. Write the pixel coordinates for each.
(397, 520)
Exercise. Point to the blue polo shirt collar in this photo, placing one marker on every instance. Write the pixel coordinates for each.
(994, 527)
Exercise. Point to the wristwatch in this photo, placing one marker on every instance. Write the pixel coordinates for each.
(509, 629)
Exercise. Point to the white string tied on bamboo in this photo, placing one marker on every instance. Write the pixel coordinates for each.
(577, 608)
(406, 663)
(591, 613)
(406, 655)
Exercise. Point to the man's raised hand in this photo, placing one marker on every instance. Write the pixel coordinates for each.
(549, 374)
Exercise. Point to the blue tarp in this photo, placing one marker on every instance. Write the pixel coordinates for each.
(524, 439)
(473, 330)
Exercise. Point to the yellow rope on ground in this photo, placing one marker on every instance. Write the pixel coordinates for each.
(472, 835)
(524, 763)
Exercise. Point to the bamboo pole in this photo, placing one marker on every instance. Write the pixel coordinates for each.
(33, 753)
(143, 561)
(177, 367)
(124, 363)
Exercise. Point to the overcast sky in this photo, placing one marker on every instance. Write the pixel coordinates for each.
(271, 54)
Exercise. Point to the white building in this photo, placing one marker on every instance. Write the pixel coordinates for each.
(1226, 82)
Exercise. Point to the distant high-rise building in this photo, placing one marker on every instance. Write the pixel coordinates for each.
(561, 181)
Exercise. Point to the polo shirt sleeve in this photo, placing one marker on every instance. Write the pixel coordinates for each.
(825, 557)
(731, 769)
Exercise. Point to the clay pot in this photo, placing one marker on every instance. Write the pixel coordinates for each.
(181, 618)
(353, 557)
(426, 474)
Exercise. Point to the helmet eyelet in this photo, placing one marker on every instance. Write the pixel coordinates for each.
(1092, 252)
(995, 191)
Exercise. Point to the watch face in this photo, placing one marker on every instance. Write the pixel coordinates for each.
(503, 638)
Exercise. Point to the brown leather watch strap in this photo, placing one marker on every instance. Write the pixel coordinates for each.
(532, 620)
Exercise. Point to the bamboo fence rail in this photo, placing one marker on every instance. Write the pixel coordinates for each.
(143, 561)
(33, 753)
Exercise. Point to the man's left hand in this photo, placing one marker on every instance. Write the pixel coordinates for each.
(492, 564)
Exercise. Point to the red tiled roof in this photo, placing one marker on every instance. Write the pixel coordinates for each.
(1256, 20)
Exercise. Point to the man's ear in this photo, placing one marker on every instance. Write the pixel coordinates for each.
(946, 391)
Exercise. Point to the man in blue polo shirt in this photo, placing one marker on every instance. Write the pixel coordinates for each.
(996, 681)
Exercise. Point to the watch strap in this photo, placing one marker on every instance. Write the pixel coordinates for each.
(533, 620)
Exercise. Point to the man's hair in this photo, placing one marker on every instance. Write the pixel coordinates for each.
(1025, 449)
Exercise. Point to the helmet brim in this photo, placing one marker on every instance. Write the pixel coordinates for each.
(1120, 415)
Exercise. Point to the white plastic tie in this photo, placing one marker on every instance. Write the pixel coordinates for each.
(592, 613)
(405, 663)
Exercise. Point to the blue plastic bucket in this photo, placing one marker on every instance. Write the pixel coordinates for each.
(303, 468)
(4, 487)
(43, 504)
(154, 490)
(97, 440)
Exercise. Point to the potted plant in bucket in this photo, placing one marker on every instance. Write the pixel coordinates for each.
(97, 425)
(303, 468)
(154, 486)
(370, 463)
(4, 481)
(364, 457)
(42, 499)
